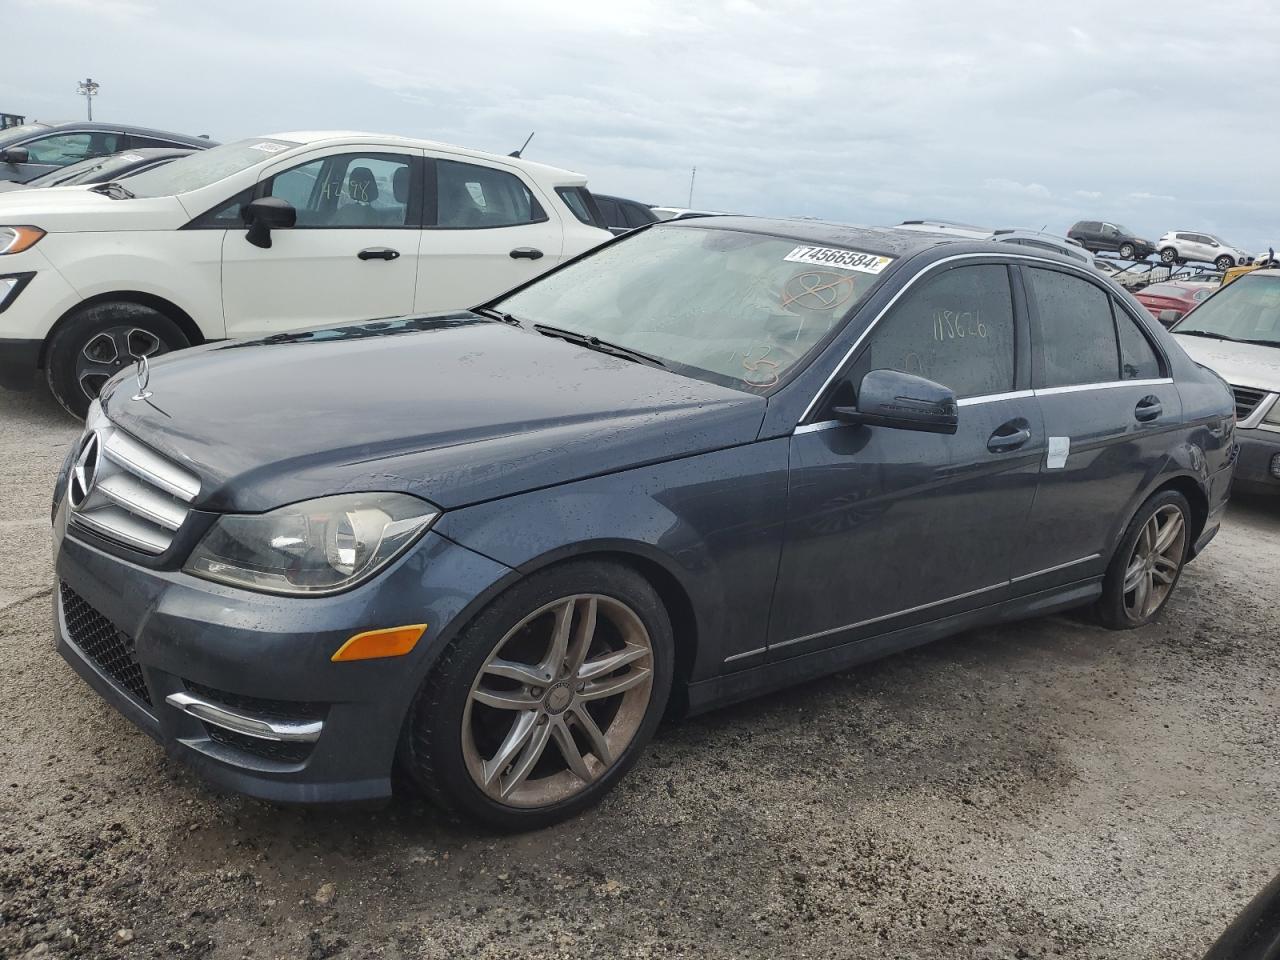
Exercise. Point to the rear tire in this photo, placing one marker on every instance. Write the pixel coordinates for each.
(499, 731)
(1225, 263)
(1147, 563)
(1168, 255)
(97, 342)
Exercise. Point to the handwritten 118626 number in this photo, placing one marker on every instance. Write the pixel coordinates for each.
(957, 325)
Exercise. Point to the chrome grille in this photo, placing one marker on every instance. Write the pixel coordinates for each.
(122, 490)
(1247, 400)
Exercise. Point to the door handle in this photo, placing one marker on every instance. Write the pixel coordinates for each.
(378, 253)
(1148, 409)
(1009, 436)
(526, 253)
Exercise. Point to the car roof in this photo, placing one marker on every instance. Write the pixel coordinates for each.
(542, 171)
(96, 125)
(889, 241)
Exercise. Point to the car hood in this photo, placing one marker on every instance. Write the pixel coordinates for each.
(78, 209)
(1240, 364)
(453, 408)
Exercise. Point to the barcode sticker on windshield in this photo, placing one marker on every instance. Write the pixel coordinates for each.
(844, 259)
(266, 147)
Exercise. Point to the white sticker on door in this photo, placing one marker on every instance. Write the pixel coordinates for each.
(843, 259)
(1059, 448)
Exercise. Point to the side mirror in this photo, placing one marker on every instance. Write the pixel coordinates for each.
(1169, 317)
(14, 155)
(266, 214)
(903, 401)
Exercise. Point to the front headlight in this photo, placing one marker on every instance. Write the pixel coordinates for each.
(17, 239)
(1272, 420)
(314, 547)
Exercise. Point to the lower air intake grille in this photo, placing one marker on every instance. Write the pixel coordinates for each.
(267, 749)
(109, 649)
(1246, 400)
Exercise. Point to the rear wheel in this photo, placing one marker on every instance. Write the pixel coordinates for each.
(99, 341)
(1224, 262)
(1127, 251)
(1168, 255)
(1147, 564)
(546, 699)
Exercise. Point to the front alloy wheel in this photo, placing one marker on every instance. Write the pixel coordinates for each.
(545, 699)
(561, 697)
(1127, 251)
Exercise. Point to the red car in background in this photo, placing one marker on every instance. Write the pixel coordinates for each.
(1169, 301)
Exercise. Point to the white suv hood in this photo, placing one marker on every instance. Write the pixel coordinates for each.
(1240, 364)
(78, 209)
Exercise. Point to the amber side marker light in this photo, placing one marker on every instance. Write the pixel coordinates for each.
(374, 644)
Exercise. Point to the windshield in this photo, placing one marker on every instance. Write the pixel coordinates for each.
(81, 172)
(1248, 309)
(205, 167)
(739, 309)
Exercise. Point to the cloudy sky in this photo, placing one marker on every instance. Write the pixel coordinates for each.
(1000, 113)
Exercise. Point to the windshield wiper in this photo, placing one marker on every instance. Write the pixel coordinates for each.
(493, 314)
(595, 343)
(1223, 336)
(114, 189)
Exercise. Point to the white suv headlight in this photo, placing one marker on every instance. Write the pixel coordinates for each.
(17, 239)
(1272, 420)
(314, 547)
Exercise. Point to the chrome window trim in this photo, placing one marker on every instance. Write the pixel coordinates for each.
(994, 398)
(1104, 385)
(1000, 256)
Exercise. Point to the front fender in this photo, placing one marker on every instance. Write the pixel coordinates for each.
(714, 522)
(183, 267)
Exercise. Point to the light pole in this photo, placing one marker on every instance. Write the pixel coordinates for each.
(88, 88)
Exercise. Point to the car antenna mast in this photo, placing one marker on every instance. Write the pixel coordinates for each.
(516, 153)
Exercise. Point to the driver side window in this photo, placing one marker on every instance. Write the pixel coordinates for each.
(954, 328)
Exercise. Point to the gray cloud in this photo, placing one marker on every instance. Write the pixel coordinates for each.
(989, 112)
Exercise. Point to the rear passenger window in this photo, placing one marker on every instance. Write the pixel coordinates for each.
(955, 328)
(1077, 335)
(1138, 359)
(471, 197)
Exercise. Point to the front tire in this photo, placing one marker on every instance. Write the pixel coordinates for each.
(1224, 263)
(545, 700)
(1147, 564)
(97, 342)
(1168, 256)
(1127, 251)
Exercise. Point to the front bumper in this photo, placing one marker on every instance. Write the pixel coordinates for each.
(1258, 463)
(263, 659)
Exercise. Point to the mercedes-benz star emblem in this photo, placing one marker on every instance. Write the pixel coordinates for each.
(144, 378)
(84, 471)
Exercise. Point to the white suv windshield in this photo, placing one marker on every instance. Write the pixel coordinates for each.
(738, 309)
(205, 167)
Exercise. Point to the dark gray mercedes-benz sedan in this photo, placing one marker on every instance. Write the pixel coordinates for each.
(706, 460)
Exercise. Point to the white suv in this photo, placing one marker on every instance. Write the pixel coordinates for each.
(1179, 246)
(265, 235)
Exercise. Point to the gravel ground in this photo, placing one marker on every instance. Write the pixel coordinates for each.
(1043, 789)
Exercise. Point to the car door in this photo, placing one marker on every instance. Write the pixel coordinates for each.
(889, 527)
(55, 150)
(1109, 237)
(1107, 403)
(487, 230)
(352, 254)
